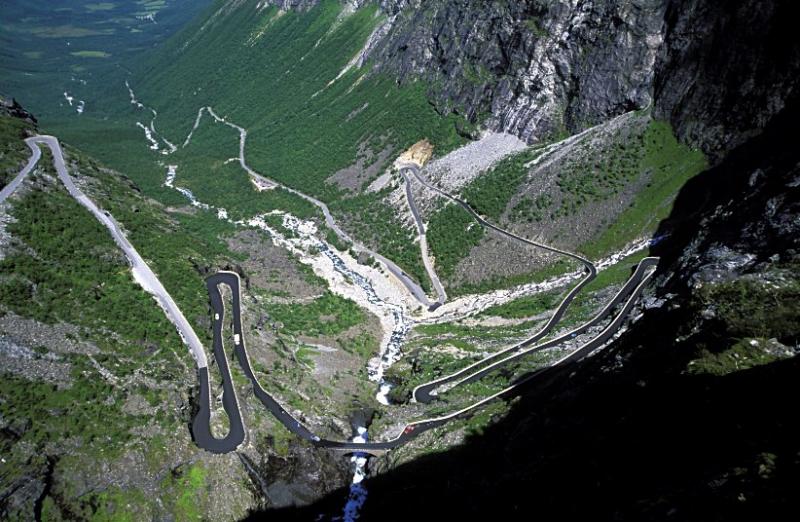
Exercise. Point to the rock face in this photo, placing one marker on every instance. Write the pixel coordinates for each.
(536, 68)
(726, 231)
(301, 5)
(637, 429)
(725, 69)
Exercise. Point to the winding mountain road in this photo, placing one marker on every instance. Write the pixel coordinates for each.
(201, 428)
(626, 296)
(423, 242)
(142, 273)
(472, 373)
(19, 178)
(413, 287)
(423, 392)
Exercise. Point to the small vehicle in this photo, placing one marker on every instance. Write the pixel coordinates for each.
(409, 429)
(236, 339)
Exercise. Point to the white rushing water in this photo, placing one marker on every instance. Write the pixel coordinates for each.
(81, 105)
(399, 324)
(172, 172)
(134, 101)
(358, 493)
(398, 321)
(150, 131)
(149, 135)
(306, 241)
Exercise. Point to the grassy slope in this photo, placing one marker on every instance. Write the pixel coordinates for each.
(205, 169)
(38, 65)
(74, 273)
(654, 155)
(377, 224)
(66, 268)
(175, 245)
(338, 315)
(451, 233)
(277, 87)
(528, 306)
(268, 85)
(670, 165)
(489, 193)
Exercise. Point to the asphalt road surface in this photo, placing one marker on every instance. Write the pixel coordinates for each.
(627, 297)
(413, 287)
(423, 241)
(473, 372)
(141, 272)
(11, 187)
(423, 393)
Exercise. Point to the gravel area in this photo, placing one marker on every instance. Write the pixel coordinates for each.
(21, 360)
(57, 338)
(461, 166)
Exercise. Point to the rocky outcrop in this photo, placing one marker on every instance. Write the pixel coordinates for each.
(10, 107)
(741, 217)
(300, 5)
(647, 429)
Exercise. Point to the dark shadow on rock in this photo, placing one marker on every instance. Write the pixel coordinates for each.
(743, 183)
(640, 442)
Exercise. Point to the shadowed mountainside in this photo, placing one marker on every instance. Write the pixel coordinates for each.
(637, 433)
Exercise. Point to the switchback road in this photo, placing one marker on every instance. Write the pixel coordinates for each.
(423, 242)
(626, 297)
(413, 287)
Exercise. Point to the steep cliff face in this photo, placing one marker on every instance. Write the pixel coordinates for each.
(17, 124)
(536, 68)
(742, 228)
(10, 107)
(683, 416)
(726, 69)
